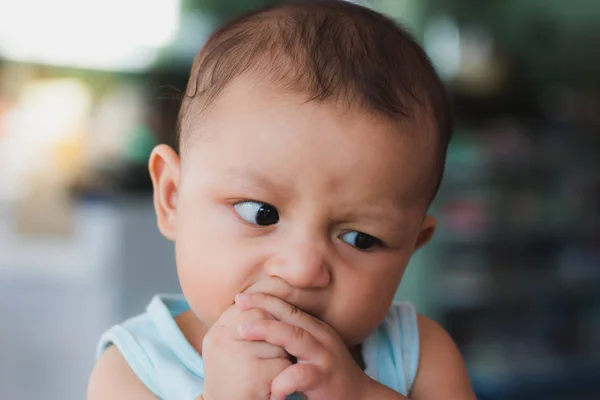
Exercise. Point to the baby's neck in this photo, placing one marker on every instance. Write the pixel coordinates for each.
(192, 328)
(356, 353)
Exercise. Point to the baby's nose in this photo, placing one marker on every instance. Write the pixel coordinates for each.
(301, 265)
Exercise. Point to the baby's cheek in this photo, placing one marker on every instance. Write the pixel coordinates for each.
(360, 312)
(205, 306)
(203, 293)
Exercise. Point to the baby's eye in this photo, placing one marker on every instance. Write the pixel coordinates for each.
(360, 240)
(257, 213)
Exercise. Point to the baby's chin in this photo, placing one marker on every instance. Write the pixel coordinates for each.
(354, 331)
(354, 340)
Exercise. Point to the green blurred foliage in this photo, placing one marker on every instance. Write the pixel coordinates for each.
(224, 10)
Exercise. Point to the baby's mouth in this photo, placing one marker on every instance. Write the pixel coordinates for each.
(274, 287)
(278, 288)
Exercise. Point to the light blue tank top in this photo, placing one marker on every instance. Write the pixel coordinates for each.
(158, 353)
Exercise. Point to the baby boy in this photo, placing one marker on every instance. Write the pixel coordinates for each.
(312, 139)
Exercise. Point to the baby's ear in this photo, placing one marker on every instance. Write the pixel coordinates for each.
(427, 230)
(164, 170)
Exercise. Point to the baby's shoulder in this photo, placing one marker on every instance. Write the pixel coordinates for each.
(426, 363)
(442, 370)
(414, 329)
(112, 378)
(153, 347)
(138, 334)
(125, 359)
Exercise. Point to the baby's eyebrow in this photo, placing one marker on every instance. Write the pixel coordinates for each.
(254, 179)
(389, 216)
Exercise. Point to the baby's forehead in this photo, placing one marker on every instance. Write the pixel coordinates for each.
(255, 88)
(281, 136)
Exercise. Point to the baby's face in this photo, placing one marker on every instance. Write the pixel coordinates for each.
(301, 200)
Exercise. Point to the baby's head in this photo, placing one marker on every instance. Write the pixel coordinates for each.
(312, 140)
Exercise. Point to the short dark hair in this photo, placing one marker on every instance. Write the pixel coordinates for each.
(330, 50)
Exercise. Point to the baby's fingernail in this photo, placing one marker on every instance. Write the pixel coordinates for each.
(244, 328)
(241, 297)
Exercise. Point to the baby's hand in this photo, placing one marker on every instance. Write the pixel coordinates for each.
(235, 368)
(325, 369)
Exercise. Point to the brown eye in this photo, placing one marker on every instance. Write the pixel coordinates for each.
(361, 241)
(257, 213)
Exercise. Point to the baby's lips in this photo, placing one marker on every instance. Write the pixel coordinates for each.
(273, 287)
(277, 288)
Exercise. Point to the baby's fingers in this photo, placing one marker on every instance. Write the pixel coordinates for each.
(249, 317)
(266, 351)
(296, 341)
(294, 379)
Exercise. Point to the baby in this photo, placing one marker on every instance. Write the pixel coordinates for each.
(312, 140)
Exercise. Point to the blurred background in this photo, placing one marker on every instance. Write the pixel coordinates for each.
(87, 88)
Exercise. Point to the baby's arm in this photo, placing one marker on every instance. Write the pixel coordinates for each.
(112, 379)
(442, 373)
